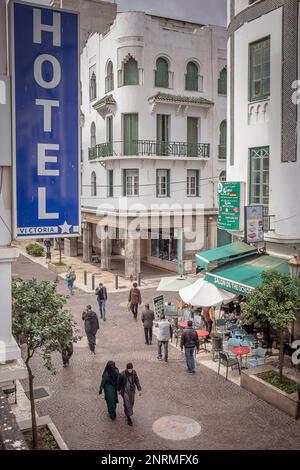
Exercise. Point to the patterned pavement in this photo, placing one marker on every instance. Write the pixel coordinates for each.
(230, 417)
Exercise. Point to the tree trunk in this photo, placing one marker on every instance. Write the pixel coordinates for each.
(281, 356)
(59, 249)
(32, 405)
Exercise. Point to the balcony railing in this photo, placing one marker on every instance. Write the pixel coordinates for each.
(150, 148)
(222, 152)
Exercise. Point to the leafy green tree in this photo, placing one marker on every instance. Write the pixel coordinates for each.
(274, 302)
(40, 322)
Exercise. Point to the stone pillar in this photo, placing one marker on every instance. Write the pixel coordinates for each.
(70, 246)
(132, 255)
(212, 233)
(9, 350)
(87, 243)
(106, 252)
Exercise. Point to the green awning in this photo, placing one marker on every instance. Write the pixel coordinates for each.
(223, 254)
(242, 276)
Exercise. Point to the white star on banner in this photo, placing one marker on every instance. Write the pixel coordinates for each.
(65, 228)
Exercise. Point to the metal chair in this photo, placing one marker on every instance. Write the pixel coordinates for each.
(226, 361)
(259, 358)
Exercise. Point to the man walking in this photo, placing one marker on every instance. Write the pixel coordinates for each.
(134, 299)
(147, 319)
(91, 326)
(190, 341)
(128, 382)
(101, 294)
(164, 333)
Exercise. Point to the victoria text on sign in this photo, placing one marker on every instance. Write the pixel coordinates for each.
(46, 150)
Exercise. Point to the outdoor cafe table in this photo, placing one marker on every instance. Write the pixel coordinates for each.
(202, 333)
(183, 324)
(240, 351)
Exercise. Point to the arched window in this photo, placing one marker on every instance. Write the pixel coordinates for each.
(222, 82)
(93, 184)
(93, 135)
(93, 83)
(191, 77)
(162, 73)
(222, 176)
(131, 72)
(223, 140)
(109, 79)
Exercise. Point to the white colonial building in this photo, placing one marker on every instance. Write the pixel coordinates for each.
(263, 141)
(153, 138)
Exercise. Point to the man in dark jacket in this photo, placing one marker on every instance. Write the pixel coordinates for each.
(128, 382)
(91, 326)
(190, 341)
(101, 294)
(134, 299)
(147, 319)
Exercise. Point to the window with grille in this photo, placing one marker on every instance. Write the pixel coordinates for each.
(110, 181)
(259, 74)
(162, 73)
(222, 82)
(93, 184)
(109, 79)
(192, 188)
(259, 179)
(131, 72)
(191, 77)
(163, 183)
(93, 83)
(131, 182)
(223, 140)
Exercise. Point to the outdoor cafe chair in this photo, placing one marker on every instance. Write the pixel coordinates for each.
(226, 361)
(232, 343)
(259, 358)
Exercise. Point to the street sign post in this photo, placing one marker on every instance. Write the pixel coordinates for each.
(229, 200)
(45, 61)
(254, 224)
(158, 303)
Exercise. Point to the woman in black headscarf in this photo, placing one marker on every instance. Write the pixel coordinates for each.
(109, 384)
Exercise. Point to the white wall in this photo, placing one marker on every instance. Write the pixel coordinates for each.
(284, 177)
(145, 38)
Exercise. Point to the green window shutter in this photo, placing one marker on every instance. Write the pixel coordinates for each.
(162, 73)
(124, 182)
(259, 73)
(130, 134)
(223, 140)
(191, 78)
(197, 183)
(192, 136)
(168, 182)
(222, 82)
(110, 183)
(157, 183)
(131, 72)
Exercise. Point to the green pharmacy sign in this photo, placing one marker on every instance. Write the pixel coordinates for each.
(229, 201)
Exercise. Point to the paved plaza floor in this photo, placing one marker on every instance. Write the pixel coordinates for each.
(176, 410)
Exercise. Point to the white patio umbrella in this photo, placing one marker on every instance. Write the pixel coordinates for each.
(174, 283)
(204, 294)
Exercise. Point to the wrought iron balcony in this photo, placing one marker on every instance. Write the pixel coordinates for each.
(150, 148)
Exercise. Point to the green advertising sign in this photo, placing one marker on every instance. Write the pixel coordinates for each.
(229, 201)
(158, 303)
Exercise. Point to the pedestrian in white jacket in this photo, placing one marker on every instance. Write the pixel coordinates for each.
(165, 332)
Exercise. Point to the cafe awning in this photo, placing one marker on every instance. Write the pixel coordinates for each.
(242, 276)
(223, 254)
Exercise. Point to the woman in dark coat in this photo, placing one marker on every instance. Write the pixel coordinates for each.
(128, 382)
(109, 384)
(91, 326)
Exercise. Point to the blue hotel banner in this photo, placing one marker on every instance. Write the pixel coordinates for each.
(45, 59)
